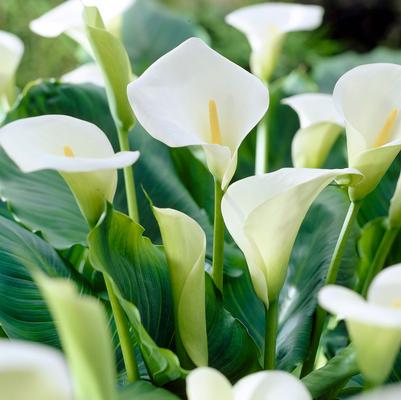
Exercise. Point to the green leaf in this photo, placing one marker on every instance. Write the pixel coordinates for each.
(82, 325)
(150, 30)
(327, 380)
(142, 390)
(113, 60)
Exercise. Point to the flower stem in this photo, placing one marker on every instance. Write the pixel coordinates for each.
(271, 335)
(320, 314)
(218, 238)
(120, 319)
(380, 257)
(129, 178)
(262, 148)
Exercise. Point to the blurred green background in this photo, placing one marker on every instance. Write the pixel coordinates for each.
(357, 25)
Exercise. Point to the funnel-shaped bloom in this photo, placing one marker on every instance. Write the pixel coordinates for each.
(87, 73)
(31, 371)
(265, 26)
(369, 99)
(367, 320)
(67, 18)
(210, 384)
(263, 214)
(320, 128)
(11, 51)
(79, 150)
(195, 96)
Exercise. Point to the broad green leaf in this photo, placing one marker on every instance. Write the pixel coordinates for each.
(142, 390)
(185, 247)
(329, 379)
(150, 30)
(113, 60)
(82, 325)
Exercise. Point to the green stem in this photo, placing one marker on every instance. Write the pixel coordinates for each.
(129, 178)
(218, 238)
(120, 319)
(320, 315)
(380, 257)
(271, 335)
(262, 148)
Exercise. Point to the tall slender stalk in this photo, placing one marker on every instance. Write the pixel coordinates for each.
(271, 335)
(320, 314)
(218, 238)
(262, 147)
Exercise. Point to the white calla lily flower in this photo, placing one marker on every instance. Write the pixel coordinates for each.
(87, 73)
(369, 99)
(67, 18)
(209, 384)
(31, 371)
(377, 317)
(320, 126)
(77, 149)
(11, 50)
(194, 96)
(263, 214)
(265, 26)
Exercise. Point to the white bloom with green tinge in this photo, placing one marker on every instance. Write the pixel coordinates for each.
(263, 214)
(195, 96)
(87, 73)
(266, 25)
(320, 126)
(79, 150)
(210, 384)
(31, 371)
(67, 18)
(369, 99)
(367, 320)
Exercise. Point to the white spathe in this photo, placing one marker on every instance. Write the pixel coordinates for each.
(320, 126)
(67, 18)
(209, 384)
(86, 73)
(263, 214)
(79, 150)
(194, 96)
(265, 26)
(378, 316)
(369, 100)
(31, 371)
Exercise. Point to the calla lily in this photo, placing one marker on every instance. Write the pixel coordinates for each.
(11, 50)
(377, 317)
(369, 99)
(31, 371)
(67, 18)
(265, 26)
(210, 384)
(320, 128)
(195, 96)
(79, 150)
(87, 73)
(185, 246)
(263, 214)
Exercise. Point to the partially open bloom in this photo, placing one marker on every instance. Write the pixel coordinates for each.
(210, 384)
(320, 128)
(11, 50)
(67, 18)
(263, 214)
(31, 371)
(79, 150)
(265, 26)
(369, 99)
(368, 320)
(195, 96)
(87, 73)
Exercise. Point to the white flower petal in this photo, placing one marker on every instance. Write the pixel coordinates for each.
(171, 101)
(390, 392)
(271, 385)
(208, 384)
(30, 371)
(87, 73)
(385, 289)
